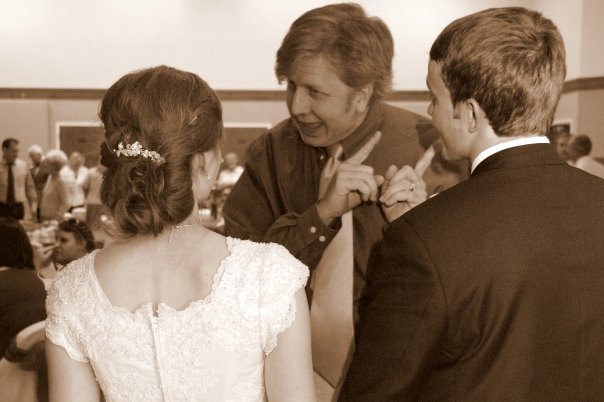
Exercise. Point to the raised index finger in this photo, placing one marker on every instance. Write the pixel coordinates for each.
(424, 162)
(362, 154)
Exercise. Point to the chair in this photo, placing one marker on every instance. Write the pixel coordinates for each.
(23, 370)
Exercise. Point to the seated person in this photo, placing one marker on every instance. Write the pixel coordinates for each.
(578, 150)
(74, 240)
(15, 249)
(22, 298)
(22, 306)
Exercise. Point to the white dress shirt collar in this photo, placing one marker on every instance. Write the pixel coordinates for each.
(537, 139)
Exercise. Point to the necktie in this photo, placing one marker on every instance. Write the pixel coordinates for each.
(331, 312)
(10, 192)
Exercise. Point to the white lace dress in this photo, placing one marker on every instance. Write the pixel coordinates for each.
(213, 350)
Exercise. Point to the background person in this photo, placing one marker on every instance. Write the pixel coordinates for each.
(74, 175)
(560, 141)
(36, 156)
(74, 241)
(56, 199)
(17, 190)
(92, 188)
(217, 318)
(578, 151)
(491, 290)
(231, 171)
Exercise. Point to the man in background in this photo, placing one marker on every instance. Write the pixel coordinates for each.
(74, 175)
(560, 140)
(40, 176)
(231, 171)
(325, 181)
(493, 289)
(579, 150)
(17, 190)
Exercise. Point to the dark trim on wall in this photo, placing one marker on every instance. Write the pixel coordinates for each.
(584, 84)
(579, 84)
(225, 95)
(50, 93)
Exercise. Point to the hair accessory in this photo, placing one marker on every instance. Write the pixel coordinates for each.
(137, 149)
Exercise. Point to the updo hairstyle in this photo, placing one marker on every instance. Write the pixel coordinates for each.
(169, 111)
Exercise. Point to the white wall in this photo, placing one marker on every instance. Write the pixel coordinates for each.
(230, 43)
(592, 52)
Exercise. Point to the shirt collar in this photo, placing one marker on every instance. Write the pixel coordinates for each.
(368, 127)
(537, 139)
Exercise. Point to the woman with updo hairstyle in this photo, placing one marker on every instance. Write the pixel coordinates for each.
(171, 310)
(144, 195)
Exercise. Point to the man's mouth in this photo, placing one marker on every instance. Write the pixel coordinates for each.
(311, 126)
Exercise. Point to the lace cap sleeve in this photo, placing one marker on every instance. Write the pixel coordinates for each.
(64, 308)
(281, 277)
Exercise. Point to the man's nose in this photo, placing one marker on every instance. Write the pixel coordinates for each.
(300, 104)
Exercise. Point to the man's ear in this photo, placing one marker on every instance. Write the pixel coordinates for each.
(362, 98)
(473, 114)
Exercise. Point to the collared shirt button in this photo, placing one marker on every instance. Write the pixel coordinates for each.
(321, 157)
(313, 229)
(322, 239)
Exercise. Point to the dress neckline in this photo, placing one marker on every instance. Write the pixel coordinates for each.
(147, 308)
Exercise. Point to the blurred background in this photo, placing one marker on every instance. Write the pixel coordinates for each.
(58, 57)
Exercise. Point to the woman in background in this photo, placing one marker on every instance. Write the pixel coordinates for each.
(174, 311)
(55, 196)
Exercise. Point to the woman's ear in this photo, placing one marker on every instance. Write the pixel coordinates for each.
(212, 162)
(198, 165)
(201, 185)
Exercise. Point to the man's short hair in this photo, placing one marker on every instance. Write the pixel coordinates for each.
(581, 144)
(511, 61)
(359, 47)
(8, 142)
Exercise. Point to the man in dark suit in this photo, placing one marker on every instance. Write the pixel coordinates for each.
(494, 289)
(38, 172)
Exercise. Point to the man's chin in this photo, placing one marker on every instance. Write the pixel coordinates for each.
(313, 141)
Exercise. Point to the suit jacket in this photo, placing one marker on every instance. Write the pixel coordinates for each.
(491, 291)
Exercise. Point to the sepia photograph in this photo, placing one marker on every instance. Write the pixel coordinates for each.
(301, 201)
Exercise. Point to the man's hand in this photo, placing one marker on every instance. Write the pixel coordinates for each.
(404, 189)
(352, 183)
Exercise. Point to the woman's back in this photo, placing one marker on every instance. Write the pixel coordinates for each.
(174, 312)
(175, 268)
(208, 348)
